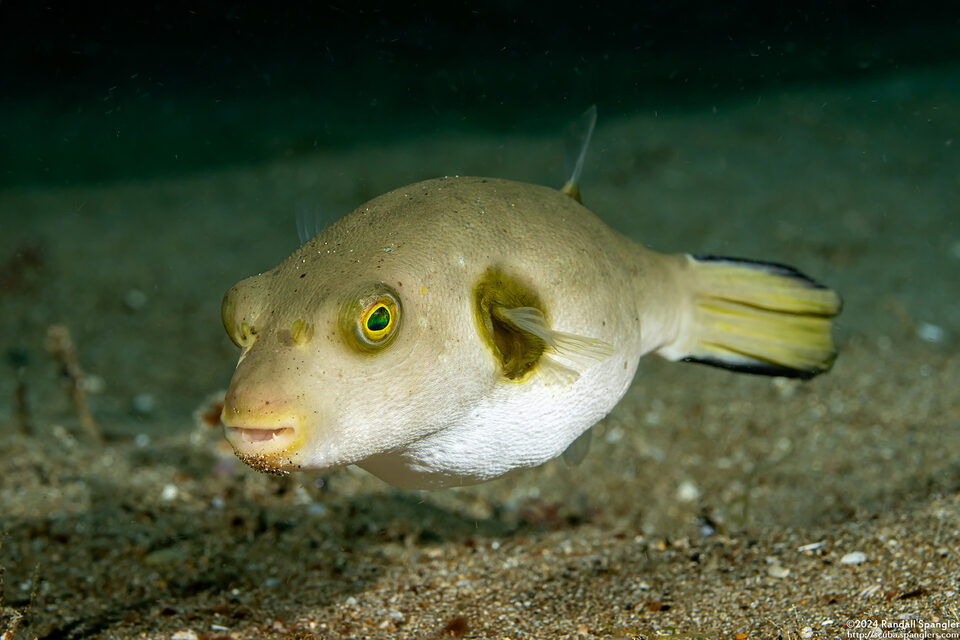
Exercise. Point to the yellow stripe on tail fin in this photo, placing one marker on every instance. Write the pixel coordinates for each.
(760, 317)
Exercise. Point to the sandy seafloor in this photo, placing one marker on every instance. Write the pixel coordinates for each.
(711, 504)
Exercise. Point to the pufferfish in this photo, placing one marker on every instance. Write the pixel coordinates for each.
(457, 329)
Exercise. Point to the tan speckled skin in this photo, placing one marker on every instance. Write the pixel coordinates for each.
(432, 409)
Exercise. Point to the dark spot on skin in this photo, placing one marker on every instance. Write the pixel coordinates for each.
(399, 284)
(624, 365)
(303, 275)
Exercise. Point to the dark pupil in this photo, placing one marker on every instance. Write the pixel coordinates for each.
(379, 319)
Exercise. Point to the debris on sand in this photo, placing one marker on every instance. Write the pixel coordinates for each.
(18, 359)
(60, 345)
(854, 557)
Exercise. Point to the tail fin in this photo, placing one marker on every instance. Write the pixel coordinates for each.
(758, 317)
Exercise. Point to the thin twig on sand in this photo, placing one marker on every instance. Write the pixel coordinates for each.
(61, 347)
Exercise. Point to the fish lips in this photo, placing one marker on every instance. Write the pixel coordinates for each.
(268, 449)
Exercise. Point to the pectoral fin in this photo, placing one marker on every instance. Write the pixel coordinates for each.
(511, 322)
(580, 351)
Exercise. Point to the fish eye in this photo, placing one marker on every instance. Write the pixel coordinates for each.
(378, 320)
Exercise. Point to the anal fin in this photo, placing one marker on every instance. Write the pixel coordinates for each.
(578, 449)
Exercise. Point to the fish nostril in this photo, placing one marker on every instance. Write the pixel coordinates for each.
(247, 335)
(301, 332)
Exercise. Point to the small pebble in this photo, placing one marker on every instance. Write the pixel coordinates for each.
(687, 491)
(614, 435)
(350, 602)
(707, 529)
(317, 509)
(855, 557)
(65, 437)
(931, 333)
(185, 635)
(806, 632)
(169, 492)
(135, 300)
(93, 384)
(785, 387)
(166, 557)
(301, 496)
(143, 404)
(141, 440)
(777, 571)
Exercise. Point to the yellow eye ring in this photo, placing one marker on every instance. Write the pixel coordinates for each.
(379, 320)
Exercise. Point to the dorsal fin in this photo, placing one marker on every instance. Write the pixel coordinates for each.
(576, 139)
(310, 221)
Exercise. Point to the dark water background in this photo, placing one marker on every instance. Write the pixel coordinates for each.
(118, 90)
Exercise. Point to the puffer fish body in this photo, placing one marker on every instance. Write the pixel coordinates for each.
(456, 329)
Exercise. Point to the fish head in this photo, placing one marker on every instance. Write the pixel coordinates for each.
(360, 343)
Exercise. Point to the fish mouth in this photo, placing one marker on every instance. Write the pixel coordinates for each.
(253, 440)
